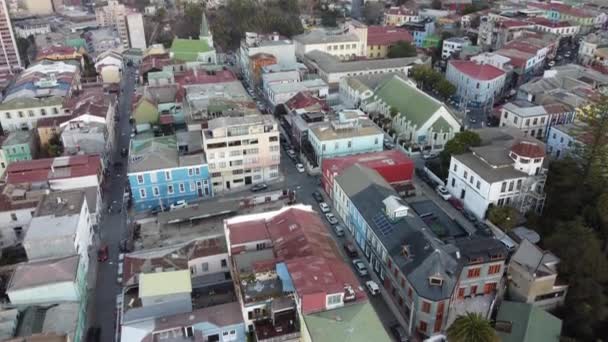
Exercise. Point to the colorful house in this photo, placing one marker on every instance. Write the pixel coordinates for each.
(19, 145)
(159, 176)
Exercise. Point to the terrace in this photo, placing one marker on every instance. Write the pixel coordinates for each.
(282, 325)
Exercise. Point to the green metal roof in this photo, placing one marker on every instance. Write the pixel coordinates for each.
(187, 50)
(30, 102)
(528, 323)
(76, 43)
(351, 323)
(145, 112)
(415, 105)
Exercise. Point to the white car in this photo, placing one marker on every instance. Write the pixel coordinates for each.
(178, 205)
(360, 267)
(324, 207)
(429, 156)
(443, 192)
(331, 219)
(372, 287)
(300, 168)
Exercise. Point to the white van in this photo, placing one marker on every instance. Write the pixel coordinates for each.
(372, 287)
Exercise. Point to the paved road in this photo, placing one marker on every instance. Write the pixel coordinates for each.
(113, 225)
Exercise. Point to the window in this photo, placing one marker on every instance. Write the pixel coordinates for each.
(155, 191)
(494, 269)
(422, 327)
(515, 120)
(334, 299)
(455, 167)
(474, 272)
(190, 172)
(8, 115)
(527, 122)
(409, 293)
(471, 180)
(43, 112)
(182, 188)
(376, 141)
(197, 171)
(55, 111)
(350, 144)
(511, 184)
(426, 306)
(170, 189)
(167, 175)
(142, 193)
(503, 187)
(224, 263)
(465, 175)
(518, 184)
(192, 186)
(478, 185)
(13, 216)
(205, 266)
(20, 114)
(453, 182)
(140, 179)
(30, 113)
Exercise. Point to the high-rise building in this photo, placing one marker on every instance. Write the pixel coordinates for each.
(9, 55)
(114, 14)
(135, 24)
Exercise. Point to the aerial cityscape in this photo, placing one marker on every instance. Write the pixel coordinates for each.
(302, 170)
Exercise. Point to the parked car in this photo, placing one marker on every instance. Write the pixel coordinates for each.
(331, 218)
(324, 207)
(360, 267)
(350, 250)
(339, 230)
(469, 216)
(178, 205)
(443, 192)
(456, 203)
(372, 287)
(123, 246)
(102, 253)
(300, 168)
(399, 333)
(429, 156)
(291, 154)
(317, 196)
(259, 187)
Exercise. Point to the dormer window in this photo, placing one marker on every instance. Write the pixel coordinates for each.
(436, 281)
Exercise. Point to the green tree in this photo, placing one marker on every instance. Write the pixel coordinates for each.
(55, 147)
(372, 12)
(459, 144)
(504, 217)
(329, 19)
(401, 49)
(595, 152)
(445, 88)
(471, 327)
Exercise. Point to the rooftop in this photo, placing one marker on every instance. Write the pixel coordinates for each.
(294, 87)
(522, 322)
(356, 322)
(41, 273)
(387, 35)
(481, 72)
(374, 160)
(534, 260)
(164, 283)
(61, 203)
(335, 131)
(331, 64)
(43, 170)
(324, 36)
(187, 50)
(18, 137)
(524, 108)
(155, 153)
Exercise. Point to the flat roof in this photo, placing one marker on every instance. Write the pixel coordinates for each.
(326, 132)
(331, 64)
(164, 283)
(42, 273)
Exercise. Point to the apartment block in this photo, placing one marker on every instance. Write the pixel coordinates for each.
(9, 55)
(242, 150)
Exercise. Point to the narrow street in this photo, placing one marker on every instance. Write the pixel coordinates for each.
(112, 227)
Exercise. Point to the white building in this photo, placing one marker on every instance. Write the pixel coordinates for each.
(566, 140)
(560, 28)
(137, 36)
(242, 150)
(279, 93)
(493, 59)
(344, 43)
(480, 83)
(530, 118)
(32, 28)
(114, 14)
(507, 169)
(589, 45)
(279, 47)
(61, 227)
(454, 45)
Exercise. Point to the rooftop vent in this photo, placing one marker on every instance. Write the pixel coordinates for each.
(395, 208)
(436, 280)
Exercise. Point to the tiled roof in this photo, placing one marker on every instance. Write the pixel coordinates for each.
(306, 99)
(528, 149)
(386, 35)
(41, 273)
(481, 72)
(42, 170)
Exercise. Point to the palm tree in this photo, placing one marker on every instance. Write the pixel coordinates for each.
(471, 327)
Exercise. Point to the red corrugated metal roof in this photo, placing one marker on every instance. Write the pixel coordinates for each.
(375, 160)
(387, 35)
(528, 149)
(305, 99)
(482, 72)
(248, 231)
(41, 170)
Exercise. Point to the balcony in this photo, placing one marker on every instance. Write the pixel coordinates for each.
(282, 326)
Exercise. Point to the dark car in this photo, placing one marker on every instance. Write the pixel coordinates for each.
(469, 216)
(102, 253)
(456, 203)
(94, 334)
(259, 187)
(117, 165)
(124, 246)
(399, 333)
(317, 196)
(350, 250)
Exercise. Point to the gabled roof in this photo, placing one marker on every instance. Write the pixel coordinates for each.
(187, 50)
(153, 153)
(42, 170)
(476, 71)
(412, 103)
(522, 322)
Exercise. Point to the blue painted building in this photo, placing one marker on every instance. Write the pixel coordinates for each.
(345, 137)
(420, 30)
(159, 176)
